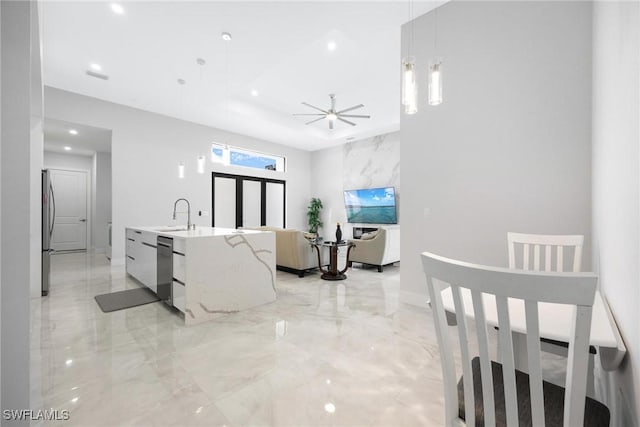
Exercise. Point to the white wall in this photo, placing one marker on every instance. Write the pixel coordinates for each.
(616, 190)
(146, 150)
(327, 184)
(16, 185)
(368, 163)
(35, 201)
(101, 200)
(74, 162)
(510, 147)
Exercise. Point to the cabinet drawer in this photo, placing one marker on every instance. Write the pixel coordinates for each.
(179, 267)
(132, 248)
(178, 292)
(179, 246)
(132, 234)
(149, 238)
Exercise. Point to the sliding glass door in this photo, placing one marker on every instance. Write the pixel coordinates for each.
(247, 201)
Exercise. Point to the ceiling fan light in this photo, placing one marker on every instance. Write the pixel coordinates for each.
(332, 116)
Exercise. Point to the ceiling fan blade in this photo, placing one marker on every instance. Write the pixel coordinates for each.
(314, 107)
(355, 115)
(315, 120)
(355, 107)
(309, 114)
(346, 121)
(331, 124)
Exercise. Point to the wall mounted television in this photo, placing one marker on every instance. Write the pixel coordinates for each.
(371, 205)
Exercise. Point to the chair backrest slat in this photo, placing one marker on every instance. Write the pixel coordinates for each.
(536, 257)
(559, 260)
(448, 368)
(533, 362)
(548, 244)
(467, 375)
(508, 364)
(547, 258)
(577, 363)
(472, 287)
(488, 400)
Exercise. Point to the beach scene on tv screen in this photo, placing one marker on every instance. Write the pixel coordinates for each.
(371, 205)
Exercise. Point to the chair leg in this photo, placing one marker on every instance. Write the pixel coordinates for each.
(301, 273)
(350, 264)
(380, 268)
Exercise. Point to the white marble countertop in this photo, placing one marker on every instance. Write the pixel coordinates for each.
(182, 232)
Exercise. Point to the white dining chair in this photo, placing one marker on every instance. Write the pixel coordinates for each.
(548, 251)
(492, 393)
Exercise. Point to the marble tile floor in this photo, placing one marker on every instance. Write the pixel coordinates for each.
(324, 354)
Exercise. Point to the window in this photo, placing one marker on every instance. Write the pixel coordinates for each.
(246, 158)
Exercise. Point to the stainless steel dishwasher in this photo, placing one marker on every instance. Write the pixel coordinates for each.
(165, 269)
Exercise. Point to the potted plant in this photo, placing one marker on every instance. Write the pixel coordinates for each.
(313, 215)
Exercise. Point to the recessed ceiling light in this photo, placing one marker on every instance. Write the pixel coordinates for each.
(254, 92)
(226, 36)
(181, 81)
(67, 148)
(73, 131)
(96, 67)
(117, 8)
(200, 61)
(331, 45)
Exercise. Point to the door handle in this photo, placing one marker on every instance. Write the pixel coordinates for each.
(83, 220)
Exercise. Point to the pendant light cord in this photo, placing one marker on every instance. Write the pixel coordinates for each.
(435, 37)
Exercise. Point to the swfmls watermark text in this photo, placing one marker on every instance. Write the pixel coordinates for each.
(37, 415)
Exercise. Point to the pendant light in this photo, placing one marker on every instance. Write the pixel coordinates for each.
(409, 85)
(181, 82)
(435, 83)
(201, 164)
(435, 68)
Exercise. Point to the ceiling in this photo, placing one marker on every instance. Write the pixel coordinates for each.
(278, 49)
(85, 142)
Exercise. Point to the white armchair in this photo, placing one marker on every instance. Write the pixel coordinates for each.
(379, 248)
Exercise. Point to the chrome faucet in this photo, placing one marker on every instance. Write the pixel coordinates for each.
(188, 213)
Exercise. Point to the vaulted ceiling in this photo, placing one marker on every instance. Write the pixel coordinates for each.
(278, 49)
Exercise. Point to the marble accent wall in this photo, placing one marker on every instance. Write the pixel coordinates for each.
(371, 162)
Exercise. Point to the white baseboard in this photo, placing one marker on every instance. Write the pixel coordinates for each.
(412, 298)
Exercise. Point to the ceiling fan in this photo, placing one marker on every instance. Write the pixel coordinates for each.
(332, 114)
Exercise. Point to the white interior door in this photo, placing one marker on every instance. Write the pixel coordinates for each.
(70, 192)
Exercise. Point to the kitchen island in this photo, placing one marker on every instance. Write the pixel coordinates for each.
(213, 271)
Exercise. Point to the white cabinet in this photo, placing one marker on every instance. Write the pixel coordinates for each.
(179, 296)
(179, 274)
(142, 257)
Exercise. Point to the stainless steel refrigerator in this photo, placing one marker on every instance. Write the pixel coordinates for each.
(48, 222)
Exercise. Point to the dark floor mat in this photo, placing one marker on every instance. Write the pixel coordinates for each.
(125, 299)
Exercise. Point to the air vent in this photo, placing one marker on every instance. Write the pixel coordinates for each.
(97, 75)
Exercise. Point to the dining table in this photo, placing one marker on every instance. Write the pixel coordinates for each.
(555, 324)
